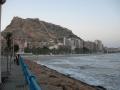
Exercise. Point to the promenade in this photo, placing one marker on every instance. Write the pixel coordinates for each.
(15, 80)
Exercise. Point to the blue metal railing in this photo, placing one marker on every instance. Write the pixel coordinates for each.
(29, 77)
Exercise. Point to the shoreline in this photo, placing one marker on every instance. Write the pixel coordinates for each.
(50, 79)
(90, 54)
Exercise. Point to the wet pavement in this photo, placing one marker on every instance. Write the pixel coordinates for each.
(14, 80)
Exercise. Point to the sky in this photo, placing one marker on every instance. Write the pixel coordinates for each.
(88, 19)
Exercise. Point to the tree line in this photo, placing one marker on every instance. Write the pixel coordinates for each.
(60, 50)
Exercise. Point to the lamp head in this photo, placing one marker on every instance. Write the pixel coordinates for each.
(2, 1)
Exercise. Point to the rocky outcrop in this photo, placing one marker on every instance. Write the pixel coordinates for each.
(36, 30)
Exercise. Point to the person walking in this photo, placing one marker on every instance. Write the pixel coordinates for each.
(17, 59)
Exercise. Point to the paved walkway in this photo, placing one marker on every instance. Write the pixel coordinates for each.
(15, 79)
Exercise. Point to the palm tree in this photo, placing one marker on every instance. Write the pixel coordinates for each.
(8, 51)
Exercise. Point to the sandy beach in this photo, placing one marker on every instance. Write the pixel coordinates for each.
(52, 80)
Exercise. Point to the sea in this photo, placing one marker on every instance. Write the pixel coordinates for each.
(94, 69)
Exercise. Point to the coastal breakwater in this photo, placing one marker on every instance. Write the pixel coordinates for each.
(50, 79)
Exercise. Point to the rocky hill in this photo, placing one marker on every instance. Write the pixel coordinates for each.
(36, 30)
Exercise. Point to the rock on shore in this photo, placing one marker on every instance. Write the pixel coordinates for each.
(52, 80)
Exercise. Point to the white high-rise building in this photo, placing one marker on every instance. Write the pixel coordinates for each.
(73, 43)
(99, 45)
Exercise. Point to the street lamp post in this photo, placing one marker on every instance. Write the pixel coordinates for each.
(1, 2)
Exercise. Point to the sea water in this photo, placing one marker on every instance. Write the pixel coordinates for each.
(100, 70)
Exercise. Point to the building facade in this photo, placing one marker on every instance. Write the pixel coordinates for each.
(91, 46)
(99, 45)
(73, 43)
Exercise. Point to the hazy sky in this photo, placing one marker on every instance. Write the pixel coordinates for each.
(89, 19)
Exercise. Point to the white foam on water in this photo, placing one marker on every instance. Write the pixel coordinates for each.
(103, 70)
